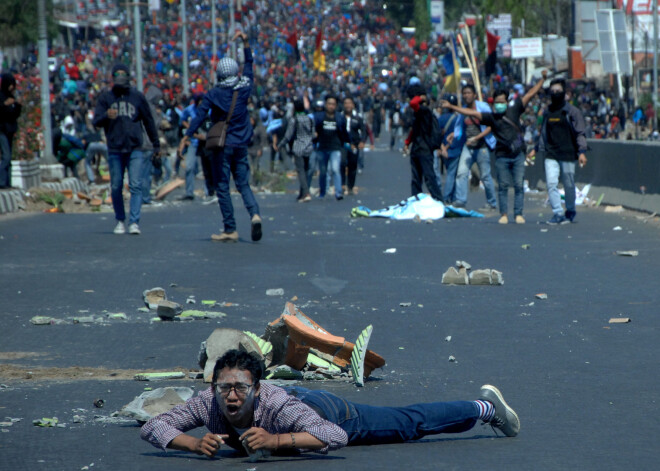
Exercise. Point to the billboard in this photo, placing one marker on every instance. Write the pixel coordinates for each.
(501, 26)
(521, 48)
(437, 14)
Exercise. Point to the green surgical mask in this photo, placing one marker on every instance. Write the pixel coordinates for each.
(500, 107)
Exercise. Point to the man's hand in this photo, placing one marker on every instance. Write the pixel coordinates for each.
(582, 160)
(361, 145)
(544, 74)
(9, 101)
(446, 104)
(257, 438)
(112, 113)
(182, 145)
(405, 149)
(209, 444)
(242, 35)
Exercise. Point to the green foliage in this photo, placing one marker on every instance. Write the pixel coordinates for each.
(18, 22)
(422, 20)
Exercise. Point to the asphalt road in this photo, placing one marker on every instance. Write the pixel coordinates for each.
(585, 390)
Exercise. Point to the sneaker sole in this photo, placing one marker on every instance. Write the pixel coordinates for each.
(510, 413)
(358, 355)
(256, 231)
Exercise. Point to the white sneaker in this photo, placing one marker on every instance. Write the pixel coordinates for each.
(134, 229)
(120, 228)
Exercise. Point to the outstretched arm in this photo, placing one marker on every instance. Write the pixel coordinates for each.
(535, 89)
(463, 111)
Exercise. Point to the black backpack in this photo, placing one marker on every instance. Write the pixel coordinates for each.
(435, 139)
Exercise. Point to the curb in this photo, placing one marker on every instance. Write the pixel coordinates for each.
(11, 201)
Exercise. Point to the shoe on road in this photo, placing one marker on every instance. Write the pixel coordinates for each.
(520, 219)
(120, 228)
(225, 237)
(504, 219)
(505, 417)
(256, 228)
(134, 229)
(557, 219)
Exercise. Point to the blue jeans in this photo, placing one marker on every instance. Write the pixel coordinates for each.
(334, 158)
(93, 149)
(225, 163)
(191, 168)
(118, 163)
(372, 425)
(552, 170)
(147, 170)
(451, 165)
(5, 160)
(468, 156)
(510, 172)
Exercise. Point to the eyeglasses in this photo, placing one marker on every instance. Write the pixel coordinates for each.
(241, 389)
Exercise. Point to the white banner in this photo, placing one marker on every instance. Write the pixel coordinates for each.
(522, 48)
(154, 5)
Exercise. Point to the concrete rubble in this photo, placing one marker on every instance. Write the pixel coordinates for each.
(459, 275)
(168, 310)
(153, 296)
(151, 403)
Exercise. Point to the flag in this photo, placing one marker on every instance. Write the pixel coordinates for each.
(292, 40)
(491, 60)
(371, 49)
(452, 68)
(319, 57)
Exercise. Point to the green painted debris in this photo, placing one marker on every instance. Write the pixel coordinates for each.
(302, 273)
(45, 422)
(159, 376)
(156, 319)
(148, 389)
(209, 302)
(525, 246)
(265, 346)
(321, 363)
(284, 372)
(600, 199)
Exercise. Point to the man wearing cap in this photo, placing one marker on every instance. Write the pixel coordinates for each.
(233, 158)
(122, 112)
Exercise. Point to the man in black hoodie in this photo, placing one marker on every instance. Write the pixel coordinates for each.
(122, 112)
(10, 110)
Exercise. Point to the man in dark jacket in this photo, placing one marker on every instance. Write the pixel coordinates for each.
(331, 137)
(233, 158)
(562, 143)
(10, 110)
(421, 154)
(357, 133)
(121, 112)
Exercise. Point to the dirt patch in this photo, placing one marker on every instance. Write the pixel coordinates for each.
(10, 373)
(20, 355)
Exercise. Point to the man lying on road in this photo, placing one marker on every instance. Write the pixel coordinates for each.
(257, 418)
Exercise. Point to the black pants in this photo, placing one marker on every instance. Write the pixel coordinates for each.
(302, 168)
(422, 167)
(207, 169)
(349, 161)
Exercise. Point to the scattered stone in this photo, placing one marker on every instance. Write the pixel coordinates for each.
(481, 277)
(159, 376)
(151, 403)
(45, 320)
(544, 230)
(541, 296)
(193, 314)
(275, 292)
(620, 320)
(99, 403)
(454, 277)
(45, 422)
(191, 300)
(452, 359)
(617, 228)
(463, 264)
(405, 304)
(302, 273)
(496, 277)
(78, 419)
(153, 296)
(118, 316)
(390, 251)
(6, 424)
(627, 253)
(167, 310)
(614, 209)
(526, 246)
(143, 309)
(284, 372)
(84, 320)
(195, 375)
(448, 338)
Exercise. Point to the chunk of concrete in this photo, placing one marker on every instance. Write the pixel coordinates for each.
(463, 264)
(167, 310)
(284, 372)
(496, 277)
(455, 277)
(219, 342)
(153, 296)
(151, 403)
(481, 277)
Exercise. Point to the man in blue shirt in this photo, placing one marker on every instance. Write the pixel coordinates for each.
(451, 148)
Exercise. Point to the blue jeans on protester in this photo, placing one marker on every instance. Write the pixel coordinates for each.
(481, 155)
(5, 160)
(118, 163)
(92, 150)
(510, 172)
(334, 158)
(225, 163)
(552, 170)
(451, 166)
(147, 171)
(191, 168)
(372, 425)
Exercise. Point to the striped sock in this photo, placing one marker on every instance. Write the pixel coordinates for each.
(486, 410)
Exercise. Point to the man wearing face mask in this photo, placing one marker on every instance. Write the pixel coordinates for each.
(421, 154)
(122, 112)
(509, 148)
(562, 143)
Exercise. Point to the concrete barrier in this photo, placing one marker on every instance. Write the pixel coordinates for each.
(624, 172)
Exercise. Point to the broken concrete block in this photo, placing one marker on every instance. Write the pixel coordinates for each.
(405, 304)
(196, 375)
(153, 296)
(614, 209)
(627, 253)
(275, 292)
(83, 320)
(317, 363)
(463, 264)
(541, 296)
(151, 403)
(454, 277)
(284, 372)
(159, 376)
(118, 316)
(167, 310)
(44, 320)
(496, 277)
(620, 320)
(481, 277)
(219, 342)
(194, 314)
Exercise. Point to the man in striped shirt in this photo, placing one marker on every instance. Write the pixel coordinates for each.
(257, 418)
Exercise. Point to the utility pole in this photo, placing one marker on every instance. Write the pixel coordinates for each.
(48, 157)
(184, 39)
(232, 28)
(214, 43)
(138, 44)
(655, 63)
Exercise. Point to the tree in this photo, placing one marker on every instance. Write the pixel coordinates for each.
(18, 22)
(422, 20)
